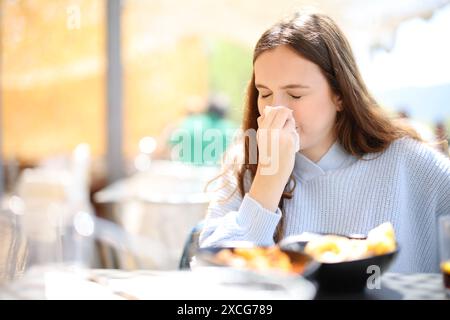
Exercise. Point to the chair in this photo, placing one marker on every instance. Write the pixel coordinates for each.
(191, 246)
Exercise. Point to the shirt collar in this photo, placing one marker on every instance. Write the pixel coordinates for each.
(335, 158)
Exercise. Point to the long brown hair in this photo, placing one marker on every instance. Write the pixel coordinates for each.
(361, 127)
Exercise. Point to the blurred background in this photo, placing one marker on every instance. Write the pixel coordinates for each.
(92, 91)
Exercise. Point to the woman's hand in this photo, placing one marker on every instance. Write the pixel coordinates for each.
(278, 141)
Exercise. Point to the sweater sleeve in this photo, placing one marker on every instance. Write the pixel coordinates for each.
(232, 217)
(431, 170)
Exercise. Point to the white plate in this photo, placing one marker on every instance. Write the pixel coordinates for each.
(214, 283)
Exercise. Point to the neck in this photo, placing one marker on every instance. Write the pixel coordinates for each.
(316, 152)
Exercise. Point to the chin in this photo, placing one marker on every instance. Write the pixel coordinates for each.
(304, 143)
(301, 149)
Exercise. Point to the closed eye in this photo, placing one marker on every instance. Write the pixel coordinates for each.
(266, 96)
(295, 97)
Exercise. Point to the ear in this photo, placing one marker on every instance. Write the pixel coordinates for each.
(337, 99)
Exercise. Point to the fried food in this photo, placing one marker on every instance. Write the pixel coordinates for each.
(332, 248)
(381, 239)
(259, 259)
(445, 267)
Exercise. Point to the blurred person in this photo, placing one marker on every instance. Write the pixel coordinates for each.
(436, 139)
(202, 136)
(403, 114)
(340, 164)
(193, 106)
(425, 132)
(442, 137)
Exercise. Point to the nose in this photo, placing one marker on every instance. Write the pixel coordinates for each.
(275, 100)
(280, 100)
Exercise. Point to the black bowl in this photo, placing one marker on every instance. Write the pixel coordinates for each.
(347, 276)
(205, 257)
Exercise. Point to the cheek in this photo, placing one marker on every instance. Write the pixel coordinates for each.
(261, 105)
(315, 114)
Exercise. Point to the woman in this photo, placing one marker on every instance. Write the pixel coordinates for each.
(353, 167)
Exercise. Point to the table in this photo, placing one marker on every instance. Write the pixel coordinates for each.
(397, 286)
(394, 286)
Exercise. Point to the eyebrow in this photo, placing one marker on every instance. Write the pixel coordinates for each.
(289, 86)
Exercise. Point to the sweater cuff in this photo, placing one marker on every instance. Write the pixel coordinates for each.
(260, 222)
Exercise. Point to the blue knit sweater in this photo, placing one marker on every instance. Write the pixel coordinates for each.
(408, 184)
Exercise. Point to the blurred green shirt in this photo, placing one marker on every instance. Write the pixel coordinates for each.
(202, 139)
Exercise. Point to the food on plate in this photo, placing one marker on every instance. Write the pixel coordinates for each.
(333, 248)
(445, 267)
(259, 259)
(381, 239)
